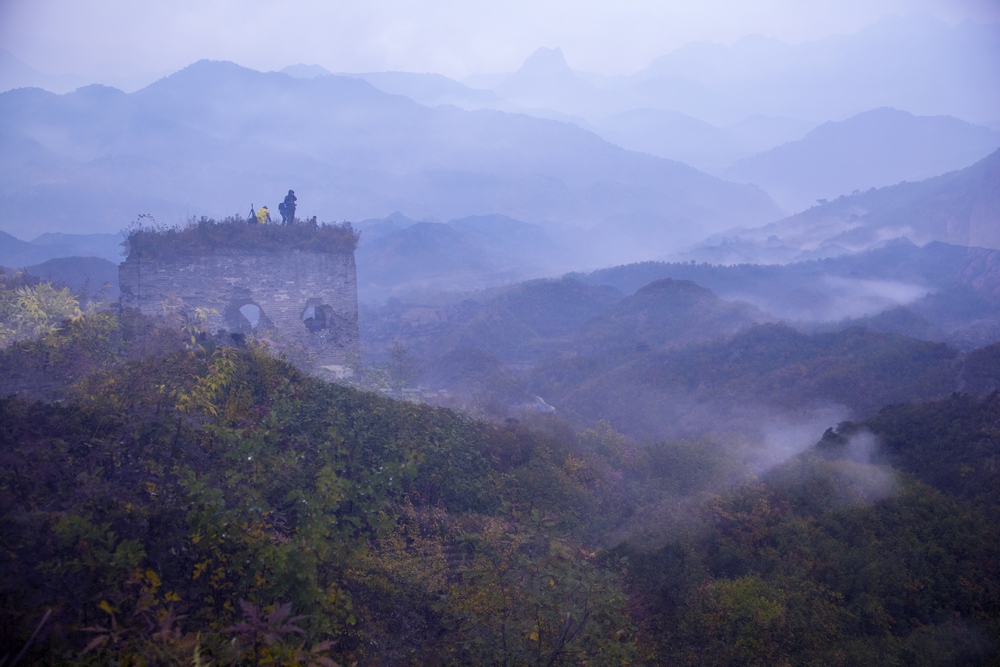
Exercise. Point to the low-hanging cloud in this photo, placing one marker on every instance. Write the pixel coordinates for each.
(835, 298)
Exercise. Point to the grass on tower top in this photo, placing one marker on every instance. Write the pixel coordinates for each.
(234, 233)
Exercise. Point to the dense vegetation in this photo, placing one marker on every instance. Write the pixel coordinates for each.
(205, 235)
(176, 498)
(829, 559)
(30, 307)
(171, 503)
(769, 369)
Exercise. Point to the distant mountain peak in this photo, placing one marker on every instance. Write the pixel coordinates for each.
(207, 73)
(97, 91)
(206, 66)
(303, 71)
(545, 80)
(545, 60)
(397, 216)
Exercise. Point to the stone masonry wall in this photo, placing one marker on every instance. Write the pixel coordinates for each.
(309, 299)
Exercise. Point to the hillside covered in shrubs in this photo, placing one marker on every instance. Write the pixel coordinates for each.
(172, 497)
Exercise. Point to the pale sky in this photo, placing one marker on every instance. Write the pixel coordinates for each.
(453, 37)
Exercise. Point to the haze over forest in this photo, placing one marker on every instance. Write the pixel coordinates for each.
(676, 337)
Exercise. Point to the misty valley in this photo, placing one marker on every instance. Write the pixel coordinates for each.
(694, 366)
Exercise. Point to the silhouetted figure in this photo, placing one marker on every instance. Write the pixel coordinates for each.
(287, 208)
(263, 216)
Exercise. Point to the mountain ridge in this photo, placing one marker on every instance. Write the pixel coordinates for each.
(186, 145)
(876, 148)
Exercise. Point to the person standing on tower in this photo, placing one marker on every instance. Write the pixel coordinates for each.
(288, 212)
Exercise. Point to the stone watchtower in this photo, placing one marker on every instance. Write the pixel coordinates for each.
(295, 285)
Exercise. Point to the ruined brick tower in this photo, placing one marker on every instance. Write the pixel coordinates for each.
(303, 298)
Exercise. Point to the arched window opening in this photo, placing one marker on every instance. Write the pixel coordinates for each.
(316, 318)
(251, 311)
(244, 316)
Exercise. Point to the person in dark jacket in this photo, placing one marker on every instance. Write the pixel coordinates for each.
(288, 208)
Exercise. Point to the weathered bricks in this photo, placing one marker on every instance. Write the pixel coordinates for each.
(286, 286)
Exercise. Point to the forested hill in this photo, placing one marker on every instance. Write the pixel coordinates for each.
(212, 503)
(760, 374)
(832, 288)
(899, 260)
(187, 499)
(878, 546)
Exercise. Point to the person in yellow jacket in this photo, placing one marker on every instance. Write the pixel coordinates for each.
(263, 216)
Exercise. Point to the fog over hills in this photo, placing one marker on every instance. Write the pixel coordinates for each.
(215, 137)
(398, 255)
(960, 207)
(676, 136)
(872, 149)
(667, 313)
(853, 285)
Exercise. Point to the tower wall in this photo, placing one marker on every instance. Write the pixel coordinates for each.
(310, 299)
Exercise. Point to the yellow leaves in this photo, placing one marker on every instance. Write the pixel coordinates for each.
(200, 568)
(573, 466)
(106, 606)
(219, 577)
(225, 392)
(35, 311)
(208, 388)
(171, 596)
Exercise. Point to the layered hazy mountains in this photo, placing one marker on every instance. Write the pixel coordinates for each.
(904, 99)
(710, 105)
(215, 138)
(756, 152)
